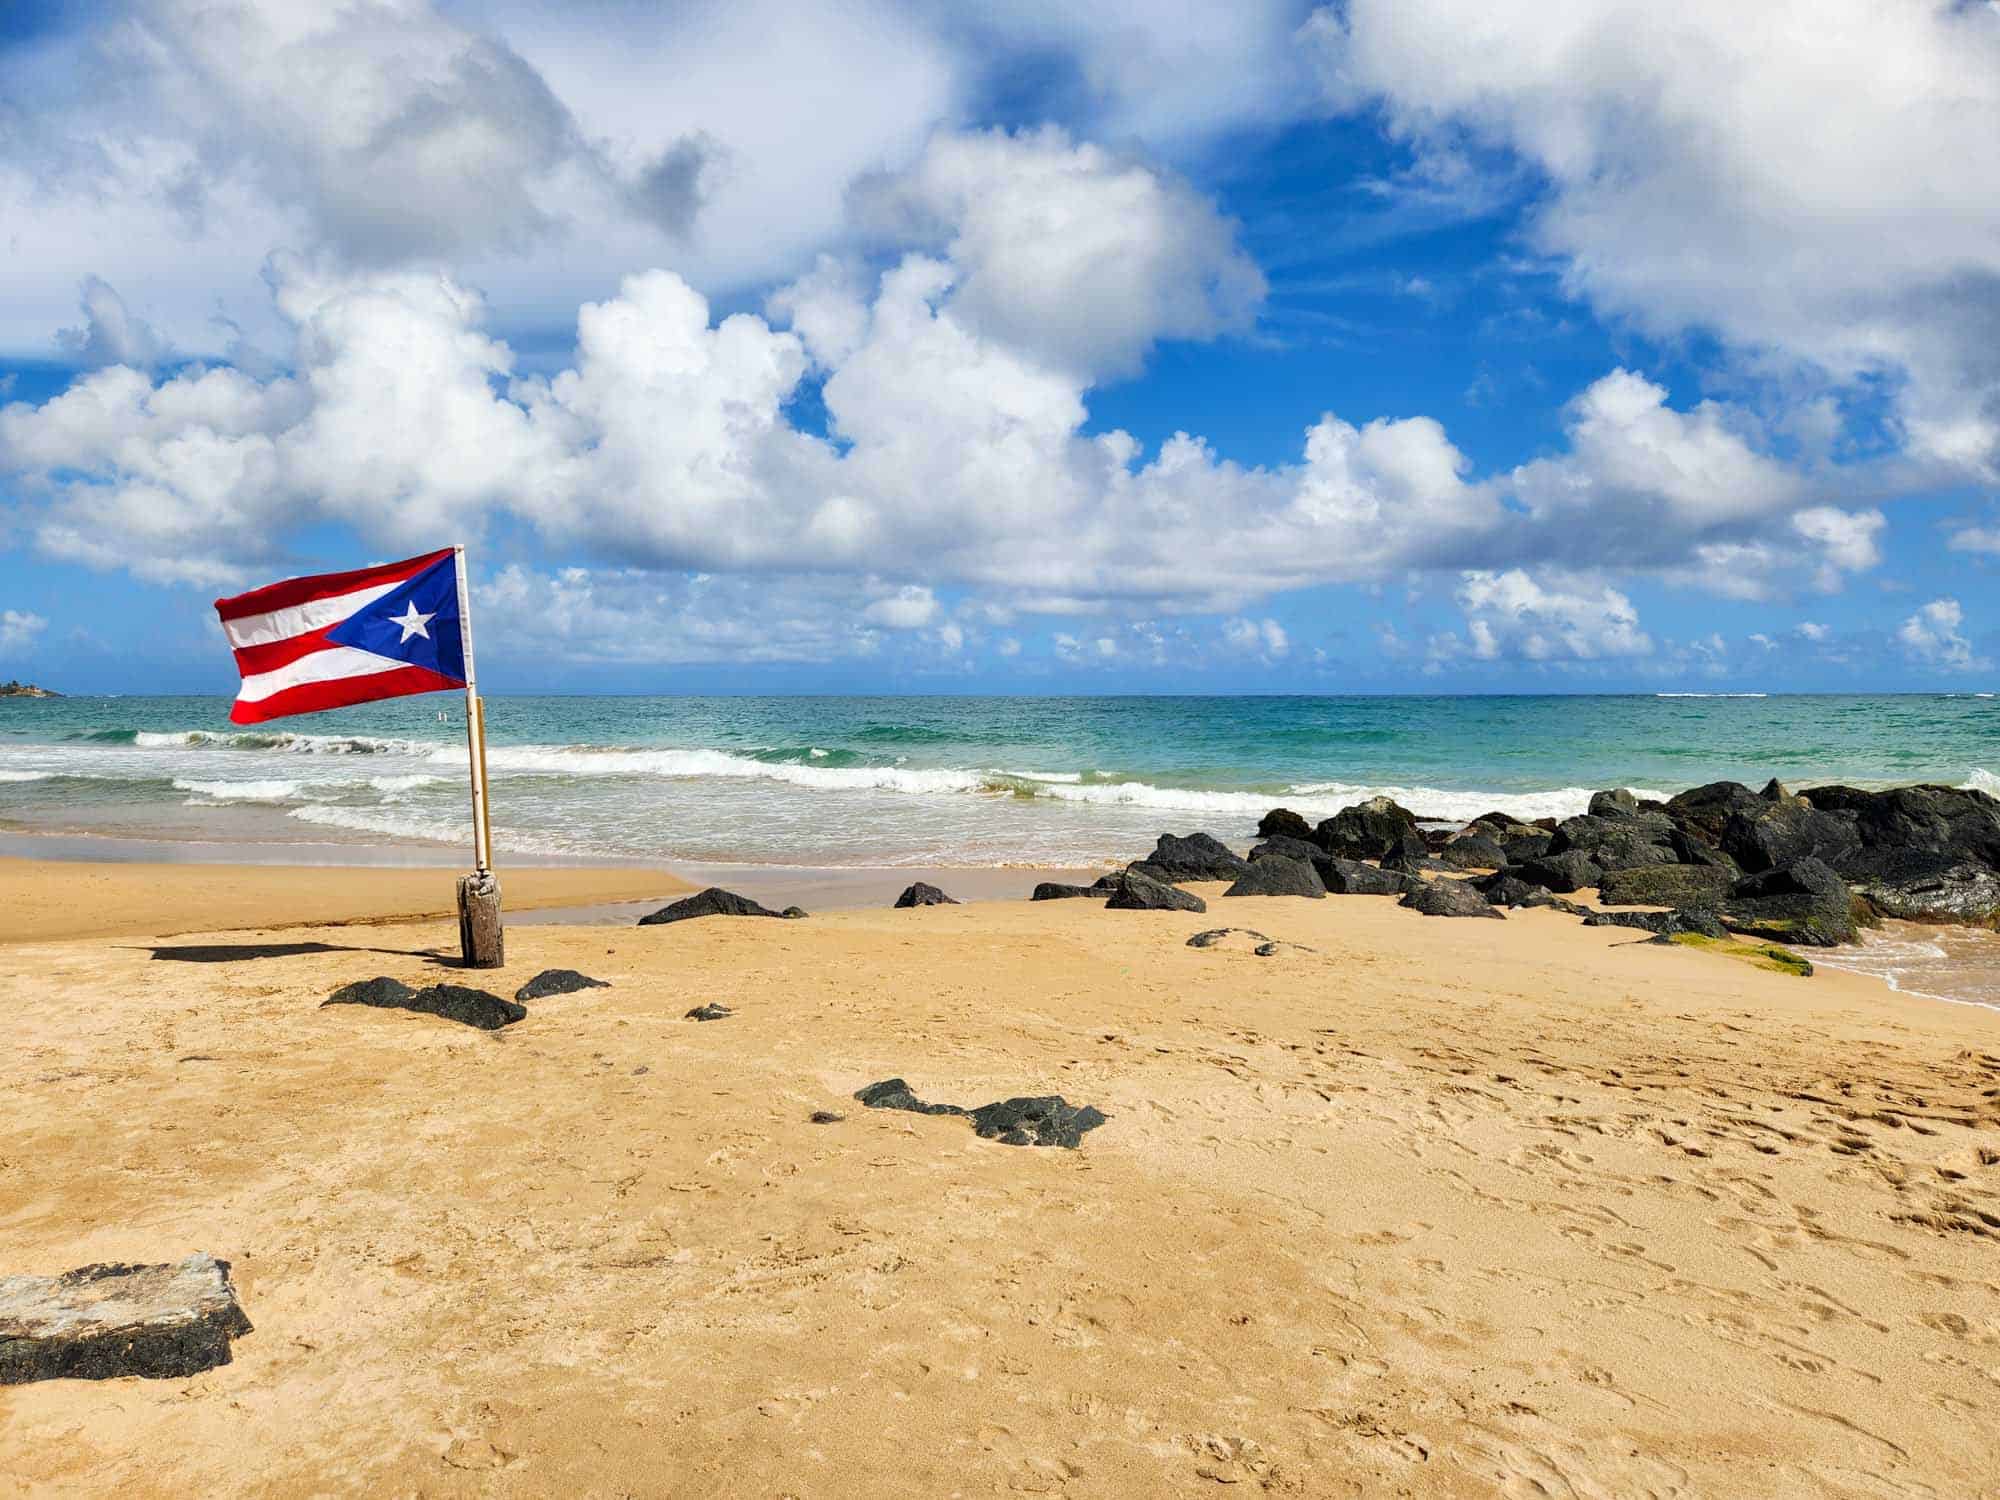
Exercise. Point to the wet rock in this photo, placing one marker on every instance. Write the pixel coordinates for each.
(1274, 875)
(1665, 885)
(1927, 888)
(923, 894)
(1282, 822)
(713, 902)
(454, 1002)
(1803, 902)
(1050, 890)
(1367, 830)
(1663, 923)
(1571, 871)
(1141, 892)
(104, 1321)
(558, 982)
(1449, 898)
(1619, 803)
(709, 1012)
(1195, 857)
(1040, 1120)
(1350, 877)
(1950, 825)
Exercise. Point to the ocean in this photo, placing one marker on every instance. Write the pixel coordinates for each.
(920, 781)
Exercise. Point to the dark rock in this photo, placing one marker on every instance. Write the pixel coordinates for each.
(1775, 791)
(1614, 804)
(1625, 842)
(1665, 885)
(922, 894)
(1572, 871)
(1263, 946)
(1448, 898)
(1367, 830)
(1140, 892)
(826, 1117)
(1282, 822)
(1664, 923)
(104, 1321)
(1275, 875)
(558, 982)
(1409, 854)
(1761, 833)
(1532, 844)
(1505, 888)
(793, 913)
(1050, 890)
(709, 1012)
(1803, 902)
(1953, 825)
(1284, 846)
(1473, 851)
(1196, 857)
(1041, 1120)
(1929, 888)
(713, 902)
(453, 1002)
(1349, 877)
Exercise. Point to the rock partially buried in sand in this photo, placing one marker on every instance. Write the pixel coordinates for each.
(104, 1321)
(454, 1002)
(709, 1012)
(558, 982)
(1262, 945)
(713, 902)
(1663, 923)
(1051, 890)
(1040, 1120)
(923, 894)
(1140, 892)
(1449, 898)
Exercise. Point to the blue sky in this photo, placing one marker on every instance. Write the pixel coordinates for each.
(1262, 347)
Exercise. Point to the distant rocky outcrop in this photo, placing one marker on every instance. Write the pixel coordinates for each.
(13, 689)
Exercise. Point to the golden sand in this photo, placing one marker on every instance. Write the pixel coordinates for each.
(1438, 1208)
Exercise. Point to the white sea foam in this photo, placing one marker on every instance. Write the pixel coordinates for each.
(240, 791)
(282, 742)
(17, 777)
(395, 823)
(1711, 695)
(1982, 780)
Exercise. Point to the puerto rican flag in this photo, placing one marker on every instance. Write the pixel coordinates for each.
(335, 639)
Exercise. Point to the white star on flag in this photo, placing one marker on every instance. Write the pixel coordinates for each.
(413, 623)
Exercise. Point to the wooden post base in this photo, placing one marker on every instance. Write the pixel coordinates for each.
(480, 936)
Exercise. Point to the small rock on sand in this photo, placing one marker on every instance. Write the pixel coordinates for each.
(103, 1321)
(454, 1002)
(1039, 1120)
(709, 1012)
(924, 894)
(713, 902)
(1449, 898)
(558, 982)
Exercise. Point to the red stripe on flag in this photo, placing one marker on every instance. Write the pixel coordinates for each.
(342, 692)
(251, 660)
(293, 591)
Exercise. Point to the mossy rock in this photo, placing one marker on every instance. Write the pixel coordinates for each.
(1758, 955)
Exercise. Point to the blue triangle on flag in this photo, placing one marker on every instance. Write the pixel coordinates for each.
(416, 623)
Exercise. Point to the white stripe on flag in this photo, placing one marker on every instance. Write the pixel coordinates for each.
(317, 614)
(320, 666)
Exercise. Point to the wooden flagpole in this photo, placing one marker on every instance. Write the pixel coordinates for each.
(482, 940)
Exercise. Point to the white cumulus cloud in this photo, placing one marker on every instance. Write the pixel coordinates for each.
(1935, 635)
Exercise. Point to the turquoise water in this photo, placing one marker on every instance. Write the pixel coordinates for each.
(815, 781)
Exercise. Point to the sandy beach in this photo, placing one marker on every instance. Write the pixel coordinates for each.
(1419, 1207)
